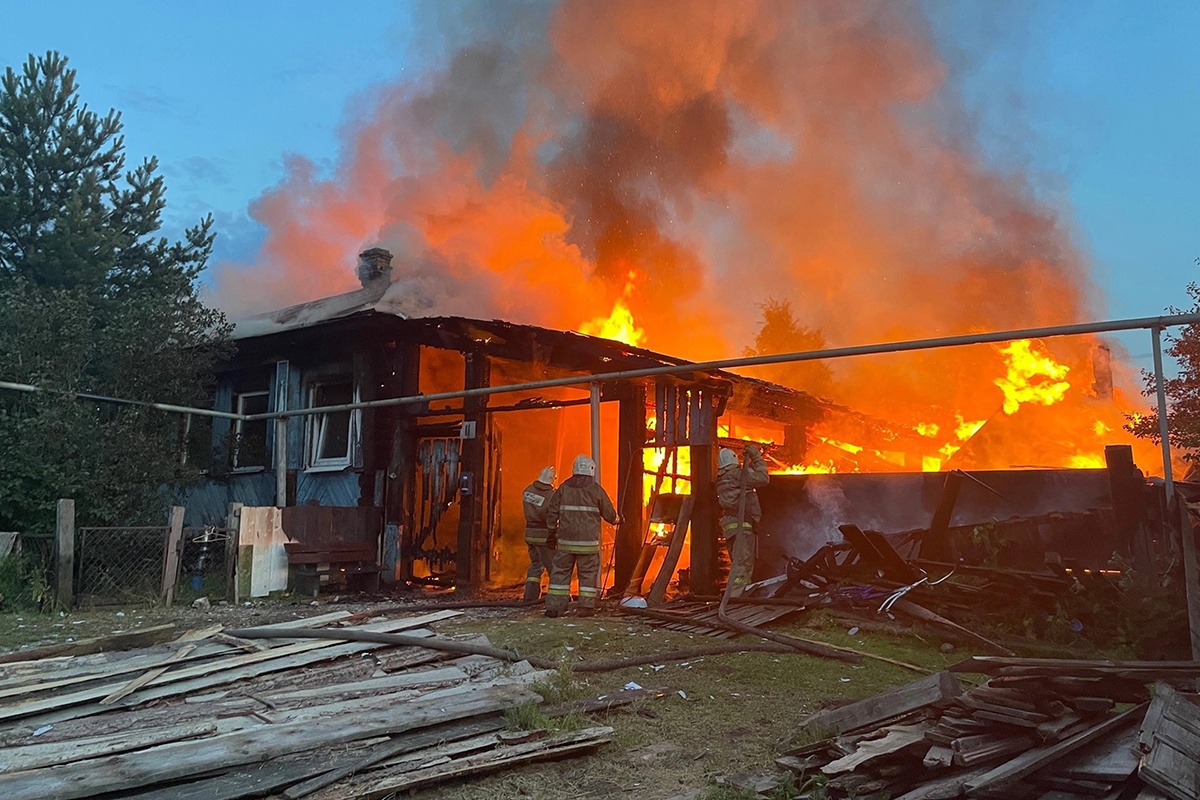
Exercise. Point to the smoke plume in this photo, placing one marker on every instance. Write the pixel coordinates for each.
(695, 159)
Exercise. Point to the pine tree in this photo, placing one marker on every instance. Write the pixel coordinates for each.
(782, 333)
(92, 299)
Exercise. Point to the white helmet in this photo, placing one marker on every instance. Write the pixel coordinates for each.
(547, 475)
(583, 466)
(726, 458)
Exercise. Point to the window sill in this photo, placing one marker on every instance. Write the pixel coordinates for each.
(339, 467)
(247, 470)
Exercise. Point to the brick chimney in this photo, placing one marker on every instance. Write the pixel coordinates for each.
(374, 265)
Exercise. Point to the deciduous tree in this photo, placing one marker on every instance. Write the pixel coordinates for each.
(1183, 390)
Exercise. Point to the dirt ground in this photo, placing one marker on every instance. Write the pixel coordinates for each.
(719, 715)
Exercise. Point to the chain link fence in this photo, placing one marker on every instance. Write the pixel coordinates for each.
(120, 565)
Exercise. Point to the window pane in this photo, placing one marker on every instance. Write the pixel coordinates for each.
(337, 436)
(332, 430)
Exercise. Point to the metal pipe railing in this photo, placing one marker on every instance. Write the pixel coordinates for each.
(1111, 326)
(203, 412)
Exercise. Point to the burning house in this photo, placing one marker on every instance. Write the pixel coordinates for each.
(432, 490)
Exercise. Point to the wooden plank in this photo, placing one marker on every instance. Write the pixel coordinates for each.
(1067, 667)
(895, 739)
(32, 756)
(875, 710)
(1170, 741)
(148, 676)
(178, 760)
(938, 757)
(394, 747)
(256, 780)
(1033, 760)
(170, 575)
(945, 788)
(229, 669)
(105, 672)
(658, 590)
(101, 644)
(500, 758)
(1111, 759)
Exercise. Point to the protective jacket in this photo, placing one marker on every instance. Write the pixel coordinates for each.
(536, 501)
(729, 490)
(576, 508)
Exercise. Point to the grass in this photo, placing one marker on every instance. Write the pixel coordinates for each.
(723, 714)
(718, 715)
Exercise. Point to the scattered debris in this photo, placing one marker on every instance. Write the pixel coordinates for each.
(1037, 728)
(205, 716)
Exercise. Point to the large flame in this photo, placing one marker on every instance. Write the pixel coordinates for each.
(558, 149)
(1032, 377)
(618, 325)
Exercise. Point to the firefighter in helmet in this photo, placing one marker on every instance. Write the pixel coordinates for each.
(740, 511)
(576, 510)
(536, 501)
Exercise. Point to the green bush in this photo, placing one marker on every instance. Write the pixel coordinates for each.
(24, 585)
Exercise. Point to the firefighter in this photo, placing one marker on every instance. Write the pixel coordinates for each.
(740, 511)
(536, 500)
(576, 508)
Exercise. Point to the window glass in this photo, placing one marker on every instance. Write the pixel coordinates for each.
(331, 434)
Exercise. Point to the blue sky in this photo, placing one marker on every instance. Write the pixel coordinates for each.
(1101, 99)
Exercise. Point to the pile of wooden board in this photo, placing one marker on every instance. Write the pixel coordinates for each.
(1036, 728)
(209, 716)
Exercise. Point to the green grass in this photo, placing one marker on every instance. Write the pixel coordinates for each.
(739, 713)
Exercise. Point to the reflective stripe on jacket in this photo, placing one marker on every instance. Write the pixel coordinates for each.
(536, 502)
(576, 509)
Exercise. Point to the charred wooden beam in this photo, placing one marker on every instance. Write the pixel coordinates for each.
(404, 375)
(472, 548)
(631, 436)
(704, 520)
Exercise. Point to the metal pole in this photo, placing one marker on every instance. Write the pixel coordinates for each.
(280, 462)
(684, 367)
(678, 367)
(595, 395)
(1163, 426)
(204, 412)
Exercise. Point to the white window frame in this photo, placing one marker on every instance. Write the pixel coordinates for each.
(238, 426)
(318, 426)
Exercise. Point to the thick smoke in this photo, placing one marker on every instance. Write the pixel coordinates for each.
(712, 154)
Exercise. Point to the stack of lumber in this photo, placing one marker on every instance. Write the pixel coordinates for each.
(1036, 728)
(209, 716)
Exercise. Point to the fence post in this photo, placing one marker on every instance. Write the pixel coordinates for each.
(64, 553)
(233, 523)
(171, 561)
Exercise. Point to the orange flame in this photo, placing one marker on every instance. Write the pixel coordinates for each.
(1033, 377)
(618, 325)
